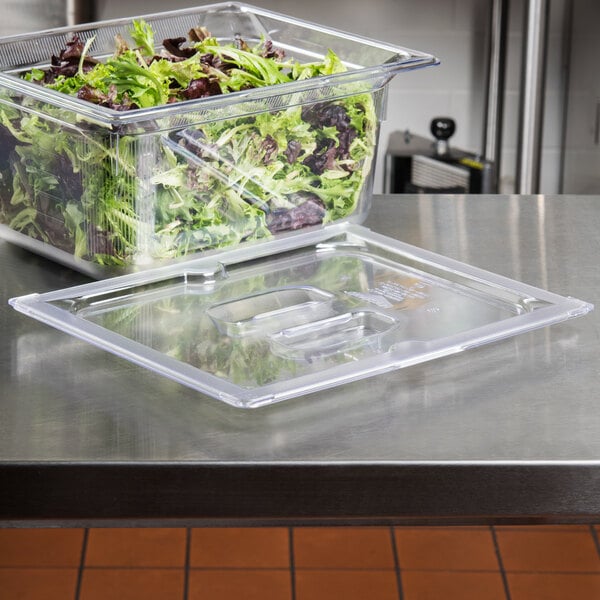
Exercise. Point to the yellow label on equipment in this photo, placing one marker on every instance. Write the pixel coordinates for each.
(470, 162)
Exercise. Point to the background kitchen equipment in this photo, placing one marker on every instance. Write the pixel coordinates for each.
(415, 163)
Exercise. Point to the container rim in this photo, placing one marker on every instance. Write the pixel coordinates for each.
(404, 59)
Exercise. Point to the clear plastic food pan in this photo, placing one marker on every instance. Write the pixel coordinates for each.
(109, 183)
(255, 326)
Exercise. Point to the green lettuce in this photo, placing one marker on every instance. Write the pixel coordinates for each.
(117, 198)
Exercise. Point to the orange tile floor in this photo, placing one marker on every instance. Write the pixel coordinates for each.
(302, 563)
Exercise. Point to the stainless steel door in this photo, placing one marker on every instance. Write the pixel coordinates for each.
(22, 16)
(581, 158)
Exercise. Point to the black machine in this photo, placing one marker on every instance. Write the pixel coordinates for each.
(416, 164)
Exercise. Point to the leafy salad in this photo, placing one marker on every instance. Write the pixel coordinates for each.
(108, 195)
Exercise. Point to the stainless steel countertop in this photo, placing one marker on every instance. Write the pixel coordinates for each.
(505, 432)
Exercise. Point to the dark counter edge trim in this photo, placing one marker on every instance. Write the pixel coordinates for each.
(188, 493)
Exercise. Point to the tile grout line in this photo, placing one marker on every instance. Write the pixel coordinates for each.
(186, 566)
(81, 567)
(396, 564)
(304, 569)
(595, 537)
(292, 563)
(180, 568)
(500, 563)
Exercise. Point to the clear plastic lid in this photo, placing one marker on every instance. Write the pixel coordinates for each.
(259, 325)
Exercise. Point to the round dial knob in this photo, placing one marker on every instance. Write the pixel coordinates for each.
(443, 128)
